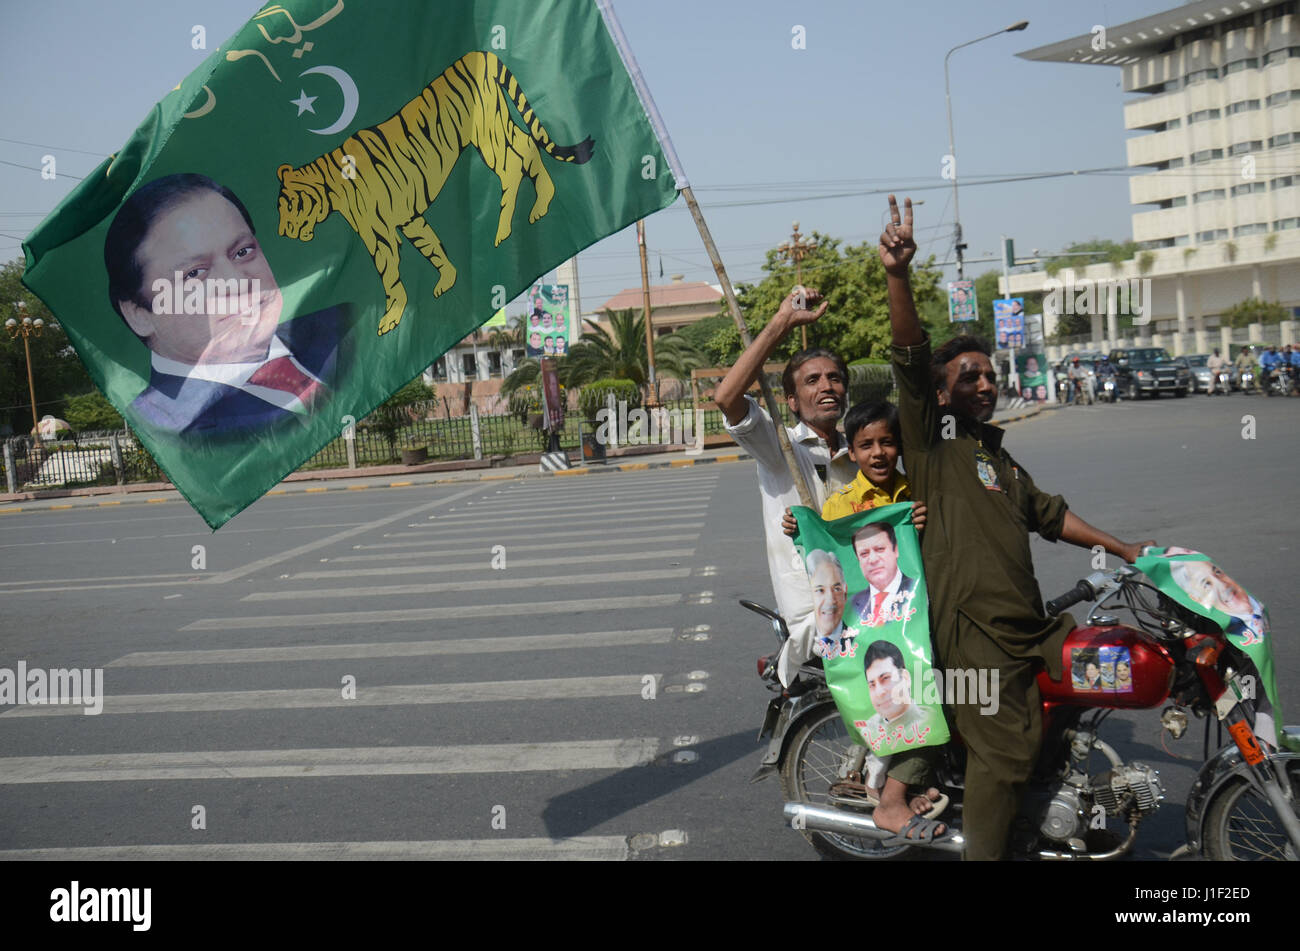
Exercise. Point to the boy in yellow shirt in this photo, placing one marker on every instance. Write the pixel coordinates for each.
(872, 433)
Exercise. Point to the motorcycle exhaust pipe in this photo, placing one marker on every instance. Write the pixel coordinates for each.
(804, 816)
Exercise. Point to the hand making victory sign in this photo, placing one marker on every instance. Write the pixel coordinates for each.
(896, 244)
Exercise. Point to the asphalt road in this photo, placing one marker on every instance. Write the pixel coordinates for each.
(537, 668)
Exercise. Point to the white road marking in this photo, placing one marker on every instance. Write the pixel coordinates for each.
(484, 564)
(460, 645)
(555, 688)
(590, 848)
(394, 615)
(521, 580)
(644, 533)
(342, 761)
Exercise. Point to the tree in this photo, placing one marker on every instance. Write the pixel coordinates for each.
(1096, 251)
(856, 323)
(91, 411)
(1255, 311)
(56, 369)
(619, 352)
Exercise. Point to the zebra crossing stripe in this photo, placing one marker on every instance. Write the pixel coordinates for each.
(394, 615)
(590, 848)
(562, 688)
(492, 584)
(342, 761)
(477, 645)
(426, 568)
(629, 536)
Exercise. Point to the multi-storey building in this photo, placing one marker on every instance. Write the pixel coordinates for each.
(1217, 184)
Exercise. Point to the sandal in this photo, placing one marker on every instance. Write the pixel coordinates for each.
(937, 807)
(924, 833)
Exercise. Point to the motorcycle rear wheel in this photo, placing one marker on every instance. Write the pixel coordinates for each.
(810, 768)
(1241, 826)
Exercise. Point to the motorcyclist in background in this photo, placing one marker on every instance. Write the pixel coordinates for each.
(1217, 365)
(1245, 362)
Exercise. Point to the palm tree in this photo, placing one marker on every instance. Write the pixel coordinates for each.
(619, 352)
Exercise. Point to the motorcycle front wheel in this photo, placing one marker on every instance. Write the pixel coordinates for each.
(811, 767)
(1241, 826)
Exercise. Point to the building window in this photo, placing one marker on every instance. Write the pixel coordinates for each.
(1241, 148)
(1281, 56)
(1286, 138)
(1278, 98)
(1210, 194)
(516, 357)
(494, 363)
(1173, 163)
(440, 368)
(1284, 224)
(1206, 155)
(1203, 115)
(1181, 240)
(1243, 230)
(1217, 235)
(1201, 75)
(1247, 189)
(1178, 202)
(1238, 65)
(1170, 125)
(1286, 181)
(469, 366)
(1246, 105)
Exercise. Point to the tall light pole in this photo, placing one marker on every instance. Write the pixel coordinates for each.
(952, 149)
(27, 328)
(796, 249)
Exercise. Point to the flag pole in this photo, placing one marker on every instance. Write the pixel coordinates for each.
(684, 187)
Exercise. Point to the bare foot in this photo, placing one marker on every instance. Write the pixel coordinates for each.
(893, 818)
(923, 804)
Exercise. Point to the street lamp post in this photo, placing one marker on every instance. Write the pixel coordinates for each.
(952, 149)
(27, 328)
(796, 249)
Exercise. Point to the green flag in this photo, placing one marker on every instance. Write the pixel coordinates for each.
(335, 198)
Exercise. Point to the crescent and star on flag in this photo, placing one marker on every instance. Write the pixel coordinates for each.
(304, 103)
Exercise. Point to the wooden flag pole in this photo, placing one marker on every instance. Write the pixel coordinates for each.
(805, 496)
(684, 188)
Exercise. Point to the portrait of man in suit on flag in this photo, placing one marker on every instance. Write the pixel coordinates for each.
(189, 278)
(889, 595)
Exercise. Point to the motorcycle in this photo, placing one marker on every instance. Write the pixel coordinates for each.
(1245, 381)
(1279, 381)
(1107, 391)
(1243, 805)
(1221, 383)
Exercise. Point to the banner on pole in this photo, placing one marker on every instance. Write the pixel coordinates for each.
(339, 194)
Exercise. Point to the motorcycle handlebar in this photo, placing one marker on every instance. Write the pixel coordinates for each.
(1080, 592)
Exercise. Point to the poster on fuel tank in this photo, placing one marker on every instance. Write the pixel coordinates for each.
(873, 626)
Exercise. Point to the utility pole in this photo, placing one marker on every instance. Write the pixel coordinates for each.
(652, 397)
(796, 249)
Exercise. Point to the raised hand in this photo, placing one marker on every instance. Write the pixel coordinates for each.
(918, 516)
(896, 244)
(797, 318)
(788, 524)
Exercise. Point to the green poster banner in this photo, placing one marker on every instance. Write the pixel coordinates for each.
(547, 327)
(339, 194)
(1193, 580)
(873, 625)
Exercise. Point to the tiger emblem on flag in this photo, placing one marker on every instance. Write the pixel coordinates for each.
(382, 179)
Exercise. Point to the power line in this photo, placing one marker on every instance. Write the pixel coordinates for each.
(54, 148)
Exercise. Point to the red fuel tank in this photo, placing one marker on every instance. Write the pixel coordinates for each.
(1115, 666)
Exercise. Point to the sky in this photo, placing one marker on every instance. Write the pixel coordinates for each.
(765, 131)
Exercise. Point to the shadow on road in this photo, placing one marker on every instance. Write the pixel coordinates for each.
(576, 812)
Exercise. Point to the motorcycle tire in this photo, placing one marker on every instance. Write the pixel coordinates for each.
(808, 771)
(1241, 826)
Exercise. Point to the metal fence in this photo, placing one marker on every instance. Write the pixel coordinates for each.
(113, 458)
(76, 460)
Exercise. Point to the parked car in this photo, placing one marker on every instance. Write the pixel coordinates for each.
(1146, 371)
(1199, 365)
